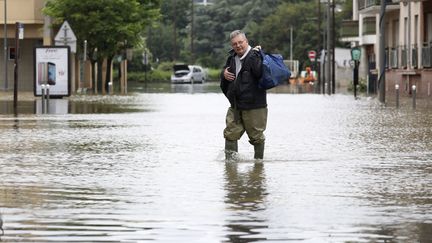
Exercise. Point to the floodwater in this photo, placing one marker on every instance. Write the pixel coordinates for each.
(150, 167)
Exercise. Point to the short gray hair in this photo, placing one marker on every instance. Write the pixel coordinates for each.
(236, 33)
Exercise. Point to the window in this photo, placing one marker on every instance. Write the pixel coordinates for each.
(11, 53)
(395, 33)
(428, 28)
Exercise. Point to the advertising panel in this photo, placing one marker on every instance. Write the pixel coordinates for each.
(52, 68)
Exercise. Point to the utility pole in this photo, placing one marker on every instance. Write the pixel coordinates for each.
(6, 86)
(324, 53)
(192, 33)
(409, 53)
(333, 41)
(318, 51)
(381, 80)
(329, 38)
(175, 31)
(291, 44)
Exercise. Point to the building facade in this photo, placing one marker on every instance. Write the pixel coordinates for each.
(408, 43)
(36, 33)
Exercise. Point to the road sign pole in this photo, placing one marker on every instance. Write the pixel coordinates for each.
(355, 78)
(18, 34)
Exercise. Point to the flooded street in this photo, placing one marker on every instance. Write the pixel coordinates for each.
(150, 167)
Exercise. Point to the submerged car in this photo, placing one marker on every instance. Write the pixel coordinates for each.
(188, 74)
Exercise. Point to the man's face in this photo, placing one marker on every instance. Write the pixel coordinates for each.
(239, 44)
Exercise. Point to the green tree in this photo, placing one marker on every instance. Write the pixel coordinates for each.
(213, 25)
(266, 22)
(109, 26)
(160, 41)
(176, 14)
(274, 31)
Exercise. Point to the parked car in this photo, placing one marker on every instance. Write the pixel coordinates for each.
(188, 74)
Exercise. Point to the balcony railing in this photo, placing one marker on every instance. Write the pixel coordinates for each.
(350, 28)
(369, 26)
(387, 58)
(404, 56)
(427, 55)
(363, 4)
(414, 56)
(394, 58)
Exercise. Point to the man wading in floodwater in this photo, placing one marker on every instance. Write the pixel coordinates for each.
(239, 83)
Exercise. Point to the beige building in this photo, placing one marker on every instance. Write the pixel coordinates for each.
(408, 42)
(29, 13)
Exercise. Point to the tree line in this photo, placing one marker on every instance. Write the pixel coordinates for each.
(266, 23)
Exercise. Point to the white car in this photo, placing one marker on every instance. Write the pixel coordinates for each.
(188, 74)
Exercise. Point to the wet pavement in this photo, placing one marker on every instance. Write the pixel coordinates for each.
(150, 166)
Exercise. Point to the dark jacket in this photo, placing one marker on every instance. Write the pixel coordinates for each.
(244, 93)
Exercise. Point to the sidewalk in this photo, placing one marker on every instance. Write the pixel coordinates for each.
(22, 96)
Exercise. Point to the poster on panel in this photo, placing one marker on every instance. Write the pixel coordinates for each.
(52, 68)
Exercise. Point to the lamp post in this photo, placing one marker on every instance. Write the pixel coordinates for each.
(192, 33)
(355, 56)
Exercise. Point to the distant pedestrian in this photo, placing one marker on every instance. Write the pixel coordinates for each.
(248, 102)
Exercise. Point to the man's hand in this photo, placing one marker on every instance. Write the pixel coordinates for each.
(229, 75)
(257, 48)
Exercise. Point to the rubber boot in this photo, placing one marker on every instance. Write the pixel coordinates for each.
(230, 148)
(259, 151)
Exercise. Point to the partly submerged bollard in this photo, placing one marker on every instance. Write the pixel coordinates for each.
(43, 98)
(414, 92)
(47, 97)
(110, 88)
(397, 95)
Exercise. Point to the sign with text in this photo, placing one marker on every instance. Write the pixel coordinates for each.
(51, 67)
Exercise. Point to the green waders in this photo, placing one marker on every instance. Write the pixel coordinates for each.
(231, 148)
(259, 151)
(253, 122)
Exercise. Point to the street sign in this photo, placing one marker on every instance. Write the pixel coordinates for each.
(66, 37)
(20, 31)
(312, 56)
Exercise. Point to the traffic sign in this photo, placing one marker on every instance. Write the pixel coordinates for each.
(312, 56)
(20, 31)
(66, 37)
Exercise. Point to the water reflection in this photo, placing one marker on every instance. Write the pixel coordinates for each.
(208, 87)
(74, 105)
(35, 222)
(89, 104)
(245, 196)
